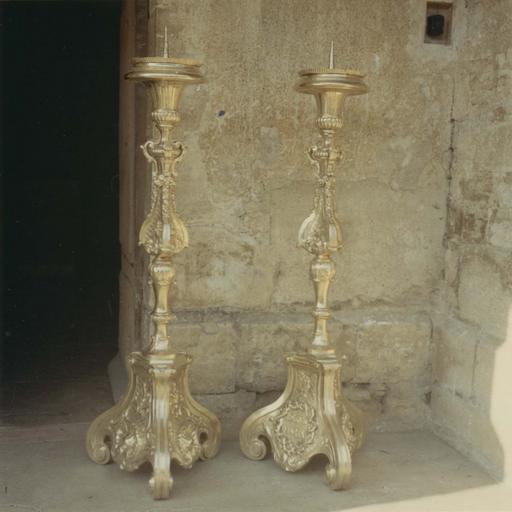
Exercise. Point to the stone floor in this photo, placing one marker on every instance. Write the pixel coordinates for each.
(51, 402)
(45, 469)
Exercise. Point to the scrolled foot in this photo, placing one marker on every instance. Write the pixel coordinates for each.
(157, 421)
(339, 470)
(253, 448)
(99, 452)
(161, 484)
(252, 432)
(338, 477)
(211, 442)
(96, 445)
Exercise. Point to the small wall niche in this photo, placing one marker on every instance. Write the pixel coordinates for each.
(438, 23)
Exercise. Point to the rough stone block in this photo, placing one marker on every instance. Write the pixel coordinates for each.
(291, 281)
(372, 215)
(484, 293)
(212, 345)
(264, 342)
(344, 336)
(453, 357)
(231, 409)
(501, 233)
(386, 359)
(405, 406)
(369, 399)
(219, 268)
(394, 350)
(266, 339)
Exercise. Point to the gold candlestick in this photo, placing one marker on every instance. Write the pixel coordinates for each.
(312, 416)
(157, 420)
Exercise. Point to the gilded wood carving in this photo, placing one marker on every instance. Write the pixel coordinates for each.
(157, 420)
(312, 416)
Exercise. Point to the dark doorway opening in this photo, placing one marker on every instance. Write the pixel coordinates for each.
(60, 249)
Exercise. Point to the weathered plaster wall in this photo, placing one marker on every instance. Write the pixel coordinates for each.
(246, 183)
(473, 339)
(243, 293)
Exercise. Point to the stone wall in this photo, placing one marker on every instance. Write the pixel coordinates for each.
(472, 338)
(243, 294)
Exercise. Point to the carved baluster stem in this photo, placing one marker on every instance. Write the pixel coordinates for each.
(162, 275)
(323, 271)
(320, 233)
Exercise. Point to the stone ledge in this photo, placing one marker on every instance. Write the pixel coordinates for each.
(463, 359)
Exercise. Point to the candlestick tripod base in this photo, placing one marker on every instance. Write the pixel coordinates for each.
(311, 417)
(156, 421)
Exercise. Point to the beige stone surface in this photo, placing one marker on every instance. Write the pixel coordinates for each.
(231, 409)
(453, 360)
(247, 131)
(467, 407)
(473, 338)
(394, 350)
(264, 342)
(386, 358)
(423, 291)
(213, 347)
(411, 471)
(486, 354)
(469, 428)
(242, 291)
(485, 291)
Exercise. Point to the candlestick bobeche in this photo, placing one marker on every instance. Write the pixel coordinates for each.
(157, 420)
(312, 416)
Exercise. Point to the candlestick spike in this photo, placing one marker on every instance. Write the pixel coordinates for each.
(166, 44)
(331, 56)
